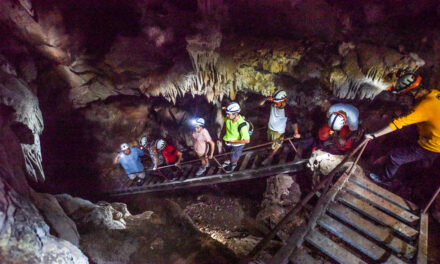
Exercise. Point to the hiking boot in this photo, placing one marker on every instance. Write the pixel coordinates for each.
(230, 168)
(267, 161)
(200, 171)
(139, 182)
(380, 180)
(225, 164)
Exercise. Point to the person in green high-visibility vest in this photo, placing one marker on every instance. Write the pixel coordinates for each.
(236, 136)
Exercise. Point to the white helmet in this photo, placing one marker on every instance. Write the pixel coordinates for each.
(124, 146)
(233, 108)
(160, 144)
(199, 122)
(336, 121)
(143, 141)
(279, 96)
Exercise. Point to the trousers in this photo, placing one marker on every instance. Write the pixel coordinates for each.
(407, 154)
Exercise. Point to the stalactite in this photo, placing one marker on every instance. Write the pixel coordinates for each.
(15, 93)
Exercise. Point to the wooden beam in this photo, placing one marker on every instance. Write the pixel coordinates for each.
(422, 250)
(379, 233)
(381, 203)
(332, 249)
(384, 193)
(373, 213)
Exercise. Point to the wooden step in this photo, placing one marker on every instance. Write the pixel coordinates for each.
(368, 210)
(245, 161)
(352, 237)
(192, 172)
(257, 157)
(332, 249)
(185, 172)
(363, 182)
(395, 260)
(211, 169)
(300, 256)
(382, 204)
(283, 154)
(380, 233)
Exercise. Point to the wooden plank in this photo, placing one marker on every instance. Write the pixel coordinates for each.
(380, 233)
(331, 249)
(381, 203)
(245, 161)
(291, 167)
(298, 235)
(300, 256)
(384, 193)
(283, 154)
(192, 173)
(352, 237)
(368, 210)
(394, 260)
(211, 170)
(185, 172)
(422, 250)
(255, 162)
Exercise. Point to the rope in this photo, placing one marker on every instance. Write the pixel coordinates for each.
(226, 153)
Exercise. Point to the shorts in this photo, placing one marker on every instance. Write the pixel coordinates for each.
(202, 155)
(276, 138)
(140, 174)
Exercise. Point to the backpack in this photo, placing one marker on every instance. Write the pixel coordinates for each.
(248, 124)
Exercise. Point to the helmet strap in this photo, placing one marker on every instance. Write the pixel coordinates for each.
(341, 114)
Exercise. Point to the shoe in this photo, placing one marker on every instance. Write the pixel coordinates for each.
(267, 161)
(200, 171)
(379, 179)
(139, 182)
(225, 164)
(230, 168)
(173, 179)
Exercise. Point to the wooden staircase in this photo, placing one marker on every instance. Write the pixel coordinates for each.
(248, 167)
(357, 221)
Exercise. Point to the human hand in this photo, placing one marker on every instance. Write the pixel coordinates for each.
(210, 156)
(297, 135)
(370, 136)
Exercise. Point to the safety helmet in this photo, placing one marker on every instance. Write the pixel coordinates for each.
(405, 83)
(124, 146)
(160, 144)
(143, 141)
(199, 122)
(233, 108)
(279, 96)
(336, 121)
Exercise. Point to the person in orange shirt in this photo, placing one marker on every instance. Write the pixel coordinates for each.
(427, 117)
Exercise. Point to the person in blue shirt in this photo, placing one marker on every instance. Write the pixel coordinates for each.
(130, 160)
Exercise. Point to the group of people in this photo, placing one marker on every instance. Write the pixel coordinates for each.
(337, 135)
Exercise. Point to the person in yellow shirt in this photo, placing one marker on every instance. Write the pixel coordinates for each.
(427, 117)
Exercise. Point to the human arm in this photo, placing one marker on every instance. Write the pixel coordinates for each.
(296, 133)
(211, 149)
(115, 161)
(379, 133)
(324, 132)
(179, 158)
(262, 102)
(416, 116)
